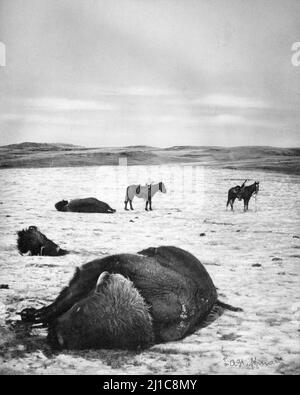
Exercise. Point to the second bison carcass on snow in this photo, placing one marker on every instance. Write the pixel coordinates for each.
(87, 205)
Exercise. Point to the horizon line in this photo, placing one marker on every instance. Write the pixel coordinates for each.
(150, 146)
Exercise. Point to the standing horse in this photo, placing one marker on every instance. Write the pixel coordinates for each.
(233, 193)
(246, 192)
(146, 192)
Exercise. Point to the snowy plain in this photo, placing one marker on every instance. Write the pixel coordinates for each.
(264, 338)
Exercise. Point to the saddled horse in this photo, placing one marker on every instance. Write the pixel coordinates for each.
(246, 192)
(145, 192)
(233, 193)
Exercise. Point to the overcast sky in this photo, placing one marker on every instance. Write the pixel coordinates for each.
(154, 72)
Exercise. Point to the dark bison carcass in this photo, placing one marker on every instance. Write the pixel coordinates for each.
(33, 241)
(88, 205)
(158, 295)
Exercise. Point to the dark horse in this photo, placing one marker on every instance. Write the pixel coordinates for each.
(233, 193)
(33, 241)
(88, 205)
(246, 192)
(130, 301)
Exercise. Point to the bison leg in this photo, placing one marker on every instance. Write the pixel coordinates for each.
(35, 316)
(52, 249)
(82, 283)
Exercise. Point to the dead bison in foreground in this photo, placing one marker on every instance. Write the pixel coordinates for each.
(33, 241)
(88, 205)
(158, 295)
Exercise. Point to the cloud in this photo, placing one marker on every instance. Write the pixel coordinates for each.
(232, 119)
(225, 119)
(220, 100)
(65, 104)
(146, 91)
(40, 119)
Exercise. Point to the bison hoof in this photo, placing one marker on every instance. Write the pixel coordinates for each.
(28, 315)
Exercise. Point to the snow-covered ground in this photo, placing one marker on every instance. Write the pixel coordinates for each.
(267, 331)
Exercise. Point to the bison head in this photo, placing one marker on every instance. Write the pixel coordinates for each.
(114, 315)
(33, 241)
(61, 205)
(30, 239)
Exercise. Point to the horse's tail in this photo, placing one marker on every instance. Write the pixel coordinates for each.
(228, 306)
(228, 199)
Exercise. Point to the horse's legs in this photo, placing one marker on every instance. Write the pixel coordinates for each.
(131, 207)
(150, 204)
(126, 202)
(246, 201)
(146, 208)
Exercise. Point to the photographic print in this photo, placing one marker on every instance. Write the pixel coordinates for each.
(149, 189)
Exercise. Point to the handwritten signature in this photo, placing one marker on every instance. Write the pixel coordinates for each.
(252, 364)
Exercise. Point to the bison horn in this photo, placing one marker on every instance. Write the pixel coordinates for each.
(102, 280)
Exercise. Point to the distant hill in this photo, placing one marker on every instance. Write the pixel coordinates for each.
(30, 155)
(39, 146)
(140, 147)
